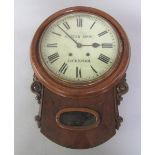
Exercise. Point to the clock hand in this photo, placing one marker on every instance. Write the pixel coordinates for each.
(95, 45)
(78, 44)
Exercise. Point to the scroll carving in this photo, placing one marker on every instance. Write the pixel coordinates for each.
(37, 89)
(121, 89)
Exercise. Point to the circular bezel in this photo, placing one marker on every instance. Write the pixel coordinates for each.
(64, 88)
(78, 82)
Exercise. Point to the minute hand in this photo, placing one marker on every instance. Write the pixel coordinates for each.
(68, 35)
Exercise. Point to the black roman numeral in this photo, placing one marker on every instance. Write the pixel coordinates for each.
(78, 73)
(93, 69)
(52, 45)
(56, 33)
(79, 22)
(52, 58)
(66, 25)
(63, 68)
(107, 45)
(104, 58)
(102, 33)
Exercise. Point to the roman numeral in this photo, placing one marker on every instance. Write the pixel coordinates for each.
(52, 58)
(102, 33)
(92, 25)
(93, 69)
(107, 45)
(79, 22)
(104, 58)
(56, 33)
(63, 68)
(78, 73)
(66, 25)
(52, 45)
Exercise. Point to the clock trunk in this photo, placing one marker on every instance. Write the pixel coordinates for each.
(105, 106)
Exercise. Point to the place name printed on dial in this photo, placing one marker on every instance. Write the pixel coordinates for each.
(79, 60)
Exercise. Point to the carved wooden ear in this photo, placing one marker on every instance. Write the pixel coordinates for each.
(37, 88)
(121, 89)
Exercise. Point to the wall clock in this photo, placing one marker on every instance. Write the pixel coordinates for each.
(79, 56)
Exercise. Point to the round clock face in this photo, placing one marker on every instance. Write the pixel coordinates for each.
(79, 48)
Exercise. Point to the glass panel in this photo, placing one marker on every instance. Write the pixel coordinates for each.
(77, 118)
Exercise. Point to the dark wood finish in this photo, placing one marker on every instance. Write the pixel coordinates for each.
(102, 97)
(106, 105)
(102, 104)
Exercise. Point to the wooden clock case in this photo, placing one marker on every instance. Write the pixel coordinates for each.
(100, 98)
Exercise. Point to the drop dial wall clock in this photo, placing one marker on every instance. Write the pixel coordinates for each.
(79, 56)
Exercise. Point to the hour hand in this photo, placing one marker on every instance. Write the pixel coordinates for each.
(104, 45)
(95, 45)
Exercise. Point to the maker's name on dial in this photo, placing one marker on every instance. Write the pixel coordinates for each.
(80, 36)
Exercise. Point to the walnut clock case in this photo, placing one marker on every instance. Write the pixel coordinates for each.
(79, 56)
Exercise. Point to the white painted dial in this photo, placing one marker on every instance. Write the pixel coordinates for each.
(79, 47)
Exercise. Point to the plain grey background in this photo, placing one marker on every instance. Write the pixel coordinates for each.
(29, 14)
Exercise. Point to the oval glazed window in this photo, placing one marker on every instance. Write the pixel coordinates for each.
(77, 118)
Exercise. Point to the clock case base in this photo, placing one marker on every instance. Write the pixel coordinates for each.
(106, 105)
